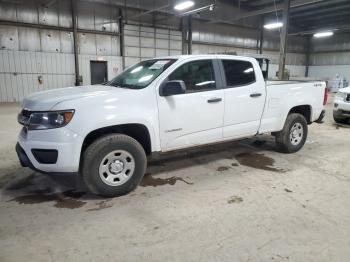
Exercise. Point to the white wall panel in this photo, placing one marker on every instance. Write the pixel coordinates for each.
(132, 51)
(131, 40)
(329, 72)
(162, 52)
(175, 45)
(162, 43)
(87, 43)
(9, 38)
(146, 42)
(147, 52)
(294, 70)
(131, 60)
(19, 72)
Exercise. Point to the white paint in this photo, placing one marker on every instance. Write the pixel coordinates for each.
(192, 120)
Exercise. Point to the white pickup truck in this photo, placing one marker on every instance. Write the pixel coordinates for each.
(105, 132)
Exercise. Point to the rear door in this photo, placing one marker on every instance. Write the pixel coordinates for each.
(244, 97)
(196, 117)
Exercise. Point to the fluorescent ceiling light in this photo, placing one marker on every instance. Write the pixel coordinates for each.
(273, 25)
(323, 34)
(183, 5)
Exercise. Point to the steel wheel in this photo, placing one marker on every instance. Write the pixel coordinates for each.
(116, 167)
(296, 134)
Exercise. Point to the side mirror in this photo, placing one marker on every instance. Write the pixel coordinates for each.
(174, 87)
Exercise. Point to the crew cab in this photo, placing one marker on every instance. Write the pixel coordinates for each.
(105, 132)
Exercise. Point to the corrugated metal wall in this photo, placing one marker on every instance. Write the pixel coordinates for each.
(146, 42)
(29, 53)
(218, 38)
(20, 70)
(330, 56)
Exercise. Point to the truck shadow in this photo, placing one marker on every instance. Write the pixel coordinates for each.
(243, 151)
(24, 186)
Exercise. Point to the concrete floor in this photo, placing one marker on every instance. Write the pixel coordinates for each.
(239, 201)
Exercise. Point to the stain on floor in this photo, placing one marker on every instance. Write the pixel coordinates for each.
(258, 142)
(235, 199)
(259, 161)
(149, 180)
(101, 205)
(288, 190)
(223, 168)
(234, 164)
(67, 199)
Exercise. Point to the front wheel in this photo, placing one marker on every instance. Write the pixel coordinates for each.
(113, 165)
(293, 135)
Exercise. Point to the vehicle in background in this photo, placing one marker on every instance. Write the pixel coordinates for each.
(341, 108)
(105, 132)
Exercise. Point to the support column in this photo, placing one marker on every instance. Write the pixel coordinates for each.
(307, 60)
(121, 36)
(183, 35)
(283, 42)
(261, 36)
(189, 36)
(75, 41)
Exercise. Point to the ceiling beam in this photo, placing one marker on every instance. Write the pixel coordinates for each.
(279, 7)
(316, 11)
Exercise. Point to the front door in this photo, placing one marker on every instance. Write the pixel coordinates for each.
(98, 72)
(196, 117)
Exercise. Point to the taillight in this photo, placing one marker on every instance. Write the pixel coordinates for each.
(325, 97)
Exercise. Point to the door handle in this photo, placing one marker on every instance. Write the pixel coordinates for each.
(214, 100)
(255, 95)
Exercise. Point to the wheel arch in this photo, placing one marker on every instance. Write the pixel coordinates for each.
(305, 110)
(135, 130)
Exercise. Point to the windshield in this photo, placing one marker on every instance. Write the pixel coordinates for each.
(142, 74)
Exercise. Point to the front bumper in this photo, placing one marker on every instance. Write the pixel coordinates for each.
(63, 141)
(341, 108)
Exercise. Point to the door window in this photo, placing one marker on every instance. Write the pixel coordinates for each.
(238, 73)
(197, 75)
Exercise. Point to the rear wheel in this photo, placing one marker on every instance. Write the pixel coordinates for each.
(113, 165)
(293, 135)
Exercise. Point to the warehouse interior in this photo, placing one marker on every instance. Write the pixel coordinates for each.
(41, 47)
(237, 201)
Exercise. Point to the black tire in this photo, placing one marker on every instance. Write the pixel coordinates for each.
(340, 120)
(283, 138)
(97, 151)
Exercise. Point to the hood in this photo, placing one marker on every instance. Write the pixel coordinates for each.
(46, 100)
(345, 90)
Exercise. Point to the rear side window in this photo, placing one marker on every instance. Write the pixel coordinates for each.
(238, 73)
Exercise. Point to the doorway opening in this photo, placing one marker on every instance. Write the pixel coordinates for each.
(98, 72)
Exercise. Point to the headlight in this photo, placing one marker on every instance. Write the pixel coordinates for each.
(47, 120)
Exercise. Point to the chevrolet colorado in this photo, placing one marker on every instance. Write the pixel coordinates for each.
(105, 132)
